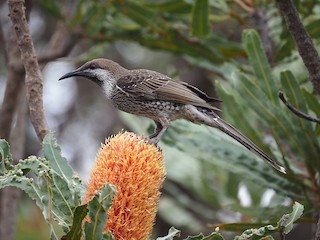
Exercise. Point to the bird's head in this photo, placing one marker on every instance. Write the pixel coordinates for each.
(101, 71)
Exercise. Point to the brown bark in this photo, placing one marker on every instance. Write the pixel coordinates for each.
(15, 81)
(33, 79)
(10, 199)
(303, 41)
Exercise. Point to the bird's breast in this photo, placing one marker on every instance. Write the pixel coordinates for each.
(154, 109)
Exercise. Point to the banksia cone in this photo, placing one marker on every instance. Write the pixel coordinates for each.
(136, 169)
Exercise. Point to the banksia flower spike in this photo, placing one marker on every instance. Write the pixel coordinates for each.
(136, 169)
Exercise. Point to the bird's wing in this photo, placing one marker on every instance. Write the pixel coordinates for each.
(162, 87)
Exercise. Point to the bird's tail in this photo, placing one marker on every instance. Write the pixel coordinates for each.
(214, 120)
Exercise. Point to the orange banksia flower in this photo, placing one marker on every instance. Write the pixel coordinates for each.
(137, 170)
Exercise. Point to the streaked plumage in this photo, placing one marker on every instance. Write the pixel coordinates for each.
(154, 95)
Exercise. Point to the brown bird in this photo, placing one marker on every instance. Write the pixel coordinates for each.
(156, 96)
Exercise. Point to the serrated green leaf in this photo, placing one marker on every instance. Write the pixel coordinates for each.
(55, 191)
(212, 236)
(24, 183)
(40, 196)
(98, 208)
(5, 156)
(287, 220)
(258, 60)
(63, 197)
(256, 233)
(63, 184)
(200, 18)
(173, 232)
(75, 232)
(52, 153)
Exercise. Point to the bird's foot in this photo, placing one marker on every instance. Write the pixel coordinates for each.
(152, 140)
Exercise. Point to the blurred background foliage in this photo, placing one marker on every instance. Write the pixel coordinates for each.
(239, 51)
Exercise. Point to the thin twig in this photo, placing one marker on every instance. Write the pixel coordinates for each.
(61, 44)
(33, 79)
(296, 111)
(303, 41)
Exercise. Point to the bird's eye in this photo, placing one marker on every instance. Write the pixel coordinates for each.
(93, 66)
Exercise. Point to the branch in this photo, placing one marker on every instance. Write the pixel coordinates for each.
(15, 81)
(10, 195)
(303, 41)
(296, 111)
(10, 105)
(34, 85)
(61, 44)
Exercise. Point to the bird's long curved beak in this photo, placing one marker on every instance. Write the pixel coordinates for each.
(75, 73)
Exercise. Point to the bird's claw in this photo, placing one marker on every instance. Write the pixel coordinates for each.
(153, 140)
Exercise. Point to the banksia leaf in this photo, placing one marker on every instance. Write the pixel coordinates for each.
(5, 155)
(136, 169)
(98, 208)
(52, 184)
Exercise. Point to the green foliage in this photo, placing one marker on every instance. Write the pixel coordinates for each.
(284, 225)
(286, 222)
(253, 47)
(249, 90)
(98, 213)
(200, 18)
(162, 26)
(57, 191)
(6, 156)
(75, 231)
(247, 82)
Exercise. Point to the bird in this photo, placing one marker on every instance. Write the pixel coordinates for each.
(156, 96)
